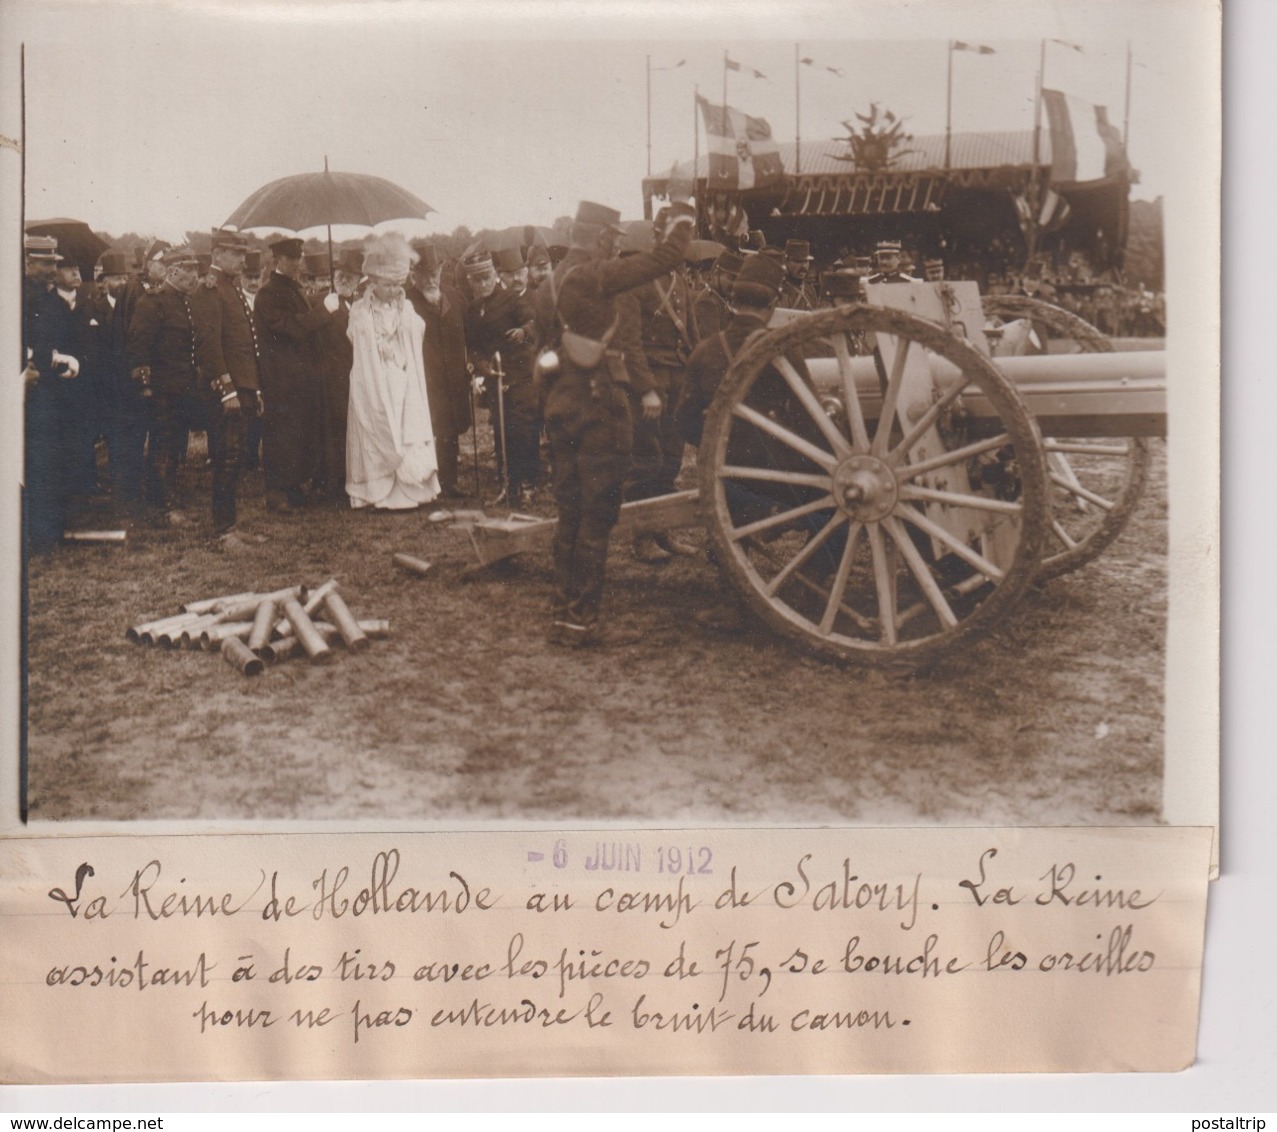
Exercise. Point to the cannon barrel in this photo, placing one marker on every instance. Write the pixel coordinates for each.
(1119, 394)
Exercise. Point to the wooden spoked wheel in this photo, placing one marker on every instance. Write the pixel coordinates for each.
(888, 525)
(1096, 484)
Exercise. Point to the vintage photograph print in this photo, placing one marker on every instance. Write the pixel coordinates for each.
(467, 420)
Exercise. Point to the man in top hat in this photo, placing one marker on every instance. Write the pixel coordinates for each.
(336, 357)
(539, 266)
(290, 372)
(796, 293)
(499, 334)
(124, 414)
(443, 353)
(887, 258)
(250, 280)
(174, 350)
(316, 276)
(511, 269)
(49, 366)
(665, 306)
(587, 415)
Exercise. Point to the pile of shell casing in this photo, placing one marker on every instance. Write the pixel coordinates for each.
(252, 630)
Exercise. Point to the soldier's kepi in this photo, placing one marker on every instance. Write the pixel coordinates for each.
(587, 419)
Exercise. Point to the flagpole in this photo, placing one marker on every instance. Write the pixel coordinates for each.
(1126, 117)
(648, 60)
(798, 117)
(724, 83)
(1035, 193)
(948, 112)
(696, 143)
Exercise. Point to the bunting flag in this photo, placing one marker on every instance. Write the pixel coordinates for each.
(824, 67)
(732, 65)
(1071, 46)
(742, 151)
(1052, 215)
(978, 48)
(1084, 145)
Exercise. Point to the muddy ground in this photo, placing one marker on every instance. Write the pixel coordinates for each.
(466, 714)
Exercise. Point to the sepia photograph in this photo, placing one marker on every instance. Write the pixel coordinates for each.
(619, 420)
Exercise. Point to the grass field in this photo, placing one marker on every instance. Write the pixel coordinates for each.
(467, 714)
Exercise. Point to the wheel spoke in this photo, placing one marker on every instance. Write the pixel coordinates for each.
(1081, 492)
(808, 400)
(963, 588)
(891, 397)
(858, 619)
(840, 584)
(959, 499)
(919, 568)
(803, 447)
(803, 556)
(928, 419)
(1069, 541)
(882, 581)
(774, 475)
(945, 459)
(1077, 448)
(738, 533)
(850, 394)
(937, 532)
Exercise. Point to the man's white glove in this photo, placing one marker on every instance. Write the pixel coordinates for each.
(71, 364)
(331, 302)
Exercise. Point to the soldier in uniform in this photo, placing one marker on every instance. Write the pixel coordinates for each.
(665, 306)
(290, 374)
(443, 352)
(887, 258)
(586, 410)
(240, 354)
(933, 269)
(710, 309)
(796, 293)
(174, 347)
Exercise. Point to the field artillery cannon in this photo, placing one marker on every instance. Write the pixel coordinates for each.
(896, 501)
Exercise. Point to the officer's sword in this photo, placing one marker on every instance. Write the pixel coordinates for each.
(505, 452)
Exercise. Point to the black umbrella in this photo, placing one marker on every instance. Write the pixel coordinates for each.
(76, 241)
(310, 200)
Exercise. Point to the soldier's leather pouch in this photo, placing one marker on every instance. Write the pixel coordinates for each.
(585, 353)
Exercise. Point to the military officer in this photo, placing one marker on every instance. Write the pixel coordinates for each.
(710, 309)
(587, 410)
(796, 293)
(174, 348)
(887, 258)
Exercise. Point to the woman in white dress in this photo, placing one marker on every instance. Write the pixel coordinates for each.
(390, 453)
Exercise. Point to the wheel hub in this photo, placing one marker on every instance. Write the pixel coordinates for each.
(865, 488)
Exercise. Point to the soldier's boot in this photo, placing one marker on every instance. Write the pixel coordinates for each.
(671, 544)
(649, 551)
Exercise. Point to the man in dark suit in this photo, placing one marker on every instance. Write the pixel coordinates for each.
(500, 321)
(290, 377)
(174, 348)
(49, 368)
(444, 354)
(337, 356)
